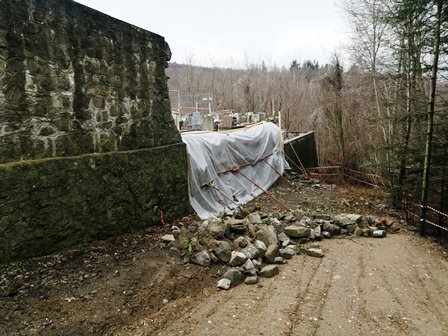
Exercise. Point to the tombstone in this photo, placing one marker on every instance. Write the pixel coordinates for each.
(196, 121)
(226, 121)
(208, 123)
(255, 118)
(262, 116)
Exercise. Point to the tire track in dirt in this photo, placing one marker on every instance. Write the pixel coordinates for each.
(254, 310)
(362, 286)
(307, 314)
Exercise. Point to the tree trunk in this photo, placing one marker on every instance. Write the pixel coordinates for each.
(430, 118)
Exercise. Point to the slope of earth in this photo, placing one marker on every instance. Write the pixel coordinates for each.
(131, 286)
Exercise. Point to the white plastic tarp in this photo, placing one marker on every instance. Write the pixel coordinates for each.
(215, 157)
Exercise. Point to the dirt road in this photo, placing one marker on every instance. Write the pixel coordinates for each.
(392, 286)
(131, 285)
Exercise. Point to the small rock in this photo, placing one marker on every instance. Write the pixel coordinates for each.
(289, 217)
(297, 231)
(315, 252)
(351, 228)
(235, 276)
(202, 258)
(258, 263)
(325, 217)
(261, 247)
(346, 219)
(241, 242)
(271, 253)
(249, 268)
(379, 233)
(216, 226)
(252, 252)
(288, 252)
(358, 232)
(326, 234)
(284, 239)
(318, 232)
(393, 227)
(254, 218)
(237, 258)
(372, 229)
(224, 283)
(168, 238)
(269, 271)
(251, 280)
(267, 234)
(222, 249)
(165, 301)
(280, 260)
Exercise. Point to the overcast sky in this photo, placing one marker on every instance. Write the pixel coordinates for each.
(237, 32)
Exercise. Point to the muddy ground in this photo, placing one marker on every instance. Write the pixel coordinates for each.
(131, 285)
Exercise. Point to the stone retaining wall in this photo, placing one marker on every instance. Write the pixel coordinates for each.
(88, 147)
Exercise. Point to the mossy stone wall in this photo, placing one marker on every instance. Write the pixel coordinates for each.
(51, 204)
(88, 147)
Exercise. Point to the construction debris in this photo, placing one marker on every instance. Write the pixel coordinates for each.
(254, 246)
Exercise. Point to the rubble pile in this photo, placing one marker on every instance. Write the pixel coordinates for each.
(254, 246)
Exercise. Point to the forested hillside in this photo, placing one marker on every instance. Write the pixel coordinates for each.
(384, 111)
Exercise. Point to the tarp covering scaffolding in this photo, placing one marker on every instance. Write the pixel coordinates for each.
(227, 169)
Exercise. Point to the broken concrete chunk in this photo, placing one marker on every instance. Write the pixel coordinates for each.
(269, 271)
(297, 231)
(315, 252)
